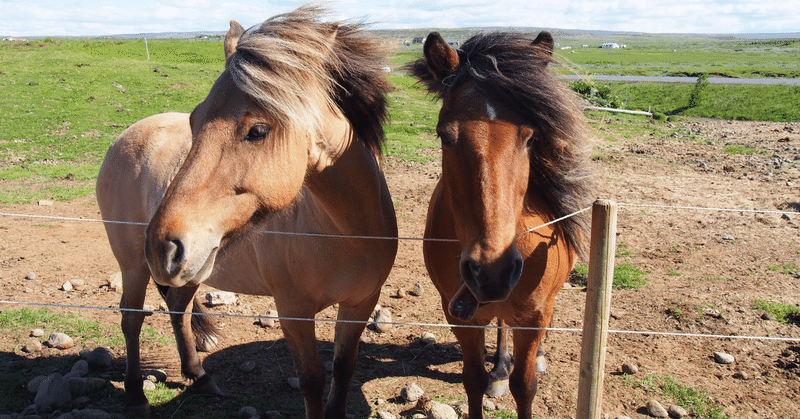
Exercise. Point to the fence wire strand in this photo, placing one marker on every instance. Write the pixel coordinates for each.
(403, 324)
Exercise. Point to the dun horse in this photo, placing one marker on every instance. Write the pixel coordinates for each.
(288, 140)
(513, 158)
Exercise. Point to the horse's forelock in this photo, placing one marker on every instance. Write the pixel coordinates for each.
(293, 63)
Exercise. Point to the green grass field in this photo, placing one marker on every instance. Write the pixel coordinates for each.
(63, 100)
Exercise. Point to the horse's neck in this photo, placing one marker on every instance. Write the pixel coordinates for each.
(350, 193)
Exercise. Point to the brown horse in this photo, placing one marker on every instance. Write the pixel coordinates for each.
(287, 140)
(513, 158)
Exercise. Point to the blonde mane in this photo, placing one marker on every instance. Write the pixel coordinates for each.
(292, 63)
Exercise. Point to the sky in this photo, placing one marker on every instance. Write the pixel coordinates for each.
(21, 18)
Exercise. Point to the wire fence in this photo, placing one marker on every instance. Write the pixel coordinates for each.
(406, 324)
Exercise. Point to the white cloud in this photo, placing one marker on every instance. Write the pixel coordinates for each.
(94, 17)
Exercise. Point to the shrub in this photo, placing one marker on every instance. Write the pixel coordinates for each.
(597, 94)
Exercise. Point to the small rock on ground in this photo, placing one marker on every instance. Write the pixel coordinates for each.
(32, 346)
(247, 412)
(383, 320)
(36, 333)
(386, 415)
(411, 393)
(630, 368)
(441, 411)
(218, 298)
(294, 383)
(723, 358)
(59, 341)
(656, 410)
(99, 358)
(677, 412)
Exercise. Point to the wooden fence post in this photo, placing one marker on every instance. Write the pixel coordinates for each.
(598, 305)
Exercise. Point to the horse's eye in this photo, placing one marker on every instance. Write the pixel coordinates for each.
(257, 132)
(531, 140)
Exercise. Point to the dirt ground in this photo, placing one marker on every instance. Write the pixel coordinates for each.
(705, 270)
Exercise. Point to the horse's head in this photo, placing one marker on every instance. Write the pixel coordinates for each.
(269, 120)
(489, 138)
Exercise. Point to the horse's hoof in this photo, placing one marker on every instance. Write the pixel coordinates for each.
(497, 388)
(206, 385)
(541, 363)
(206, 343)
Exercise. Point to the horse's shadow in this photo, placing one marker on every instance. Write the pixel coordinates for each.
(266, 386)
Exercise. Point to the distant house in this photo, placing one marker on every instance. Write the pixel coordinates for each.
(418, 40)
(610, 45)
(454, 44)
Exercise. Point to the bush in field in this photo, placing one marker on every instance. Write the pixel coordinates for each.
(699, 87)
(597, 94)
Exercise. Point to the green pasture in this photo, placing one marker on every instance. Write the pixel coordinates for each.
(64, 100)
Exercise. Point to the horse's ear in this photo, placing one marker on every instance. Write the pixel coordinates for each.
(545, 42)
(232, 38)
(442, 60)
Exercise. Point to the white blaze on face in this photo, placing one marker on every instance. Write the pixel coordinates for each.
(491, 112)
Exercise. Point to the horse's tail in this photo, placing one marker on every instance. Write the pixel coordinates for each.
(206, 332)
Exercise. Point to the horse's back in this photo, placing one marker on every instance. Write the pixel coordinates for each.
(135, 173)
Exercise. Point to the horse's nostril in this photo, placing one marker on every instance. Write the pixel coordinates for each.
(174, 255)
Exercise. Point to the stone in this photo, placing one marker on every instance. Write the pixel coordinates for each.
(52, 392)
(219, 298)
(630, 368)
(294, 383)
(247, 412)
(81, 367)
(401, 293)
(656, 410)
(622, 417)
(386, 415)
(67, 286)
(723, 358)
(148, 385)
(728, 237)
(418, 290)
(247, 366)
(741, 375)
(269, 319)
(677, 412)
(46, 203)
(31, 276)
(411, 393)
(99, 358)
(160, 375)
(383, 320)
(59, 341)
(77, 283)
(32, 346)
(428, 338)
(115, 282)
(34, 383)
(442, 411)
(37, 333)
(272, 414)
(489, 405)
(81, 386)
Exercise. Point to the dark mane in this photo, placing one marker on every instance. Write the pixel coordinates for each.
(507, 68)
(291, 59)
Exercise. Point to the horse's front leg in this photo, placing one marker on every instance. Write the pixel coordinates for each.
(523, 381)
(180, 300)
(134, 288)
(476, 378)
(344, 360)
(301, 337)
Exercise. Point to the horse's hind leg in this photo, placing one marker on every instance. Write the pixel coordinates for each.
(344, 359)
(498, 383)
(134, 288)
(180, 299)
